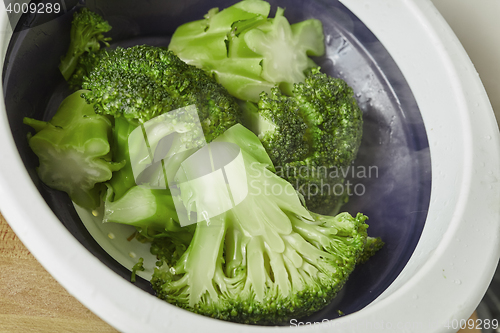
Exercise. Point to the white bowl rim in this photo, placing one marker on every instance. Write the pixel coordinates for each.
(438, 287)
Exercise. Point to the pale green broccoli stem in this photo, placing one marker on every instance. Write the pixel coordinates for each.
(235, 242)
(202, 42)
(247, 51)
(141, 207)
(285, 50)
(123, 179)
(205, 247)
(74, 151)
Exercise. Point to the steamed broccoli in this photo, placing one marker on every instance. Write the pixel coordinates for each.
(311, 136)
(265, 260)
(252, 252)
(247, 51)
(86, 36)
(74, 150)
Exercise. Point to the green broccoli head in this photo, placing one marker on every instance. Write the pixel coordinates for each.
(335, 123)
(142, 82)
(279, 126)
(373, 245)
(86, 36)
(311, 136)
(86, 62)
(267, 259)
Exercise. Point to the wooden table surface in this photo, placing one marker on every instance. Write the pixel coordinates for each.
(31, 300)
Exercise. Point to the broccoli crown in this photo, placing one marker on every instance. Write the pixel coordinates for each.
(372, 246)
(86, 36)
(86, 62)
(279, 126)
(334, 119)
(142, 82)
(310, 135)
(265, 260)
(324, 117)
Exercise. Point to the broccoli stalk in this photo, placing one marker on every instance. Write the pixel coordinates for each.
(247, 51)
(86, 34)
(202, 41)
(144, 199)
(74, 150)
(265, 260)
(141, 207)
(285, 48)
(122, 179)
(373, 245)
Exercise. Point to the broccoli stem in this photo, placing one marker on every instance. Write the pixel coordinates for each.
(74, 150)
(205, 247)
(123, 179)
(68, 64)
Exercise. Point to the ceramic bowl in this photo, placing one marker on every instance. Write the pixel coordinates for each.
(426, 174)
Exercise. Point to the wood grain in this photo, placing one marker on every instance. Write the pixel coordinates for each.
(31, 300)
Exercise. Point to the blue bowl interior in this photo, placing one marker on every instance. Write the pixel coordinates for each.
(390, 181)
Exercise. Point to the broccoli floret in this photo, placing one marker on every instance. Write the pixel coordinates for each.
(278, 125)
(333, 116)
(74, 150)
(86, 63)
(265, 260)
(373, 245)
(86, 36)
(142, 82)
(168, 250)
(247, 51)
(312, 136)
